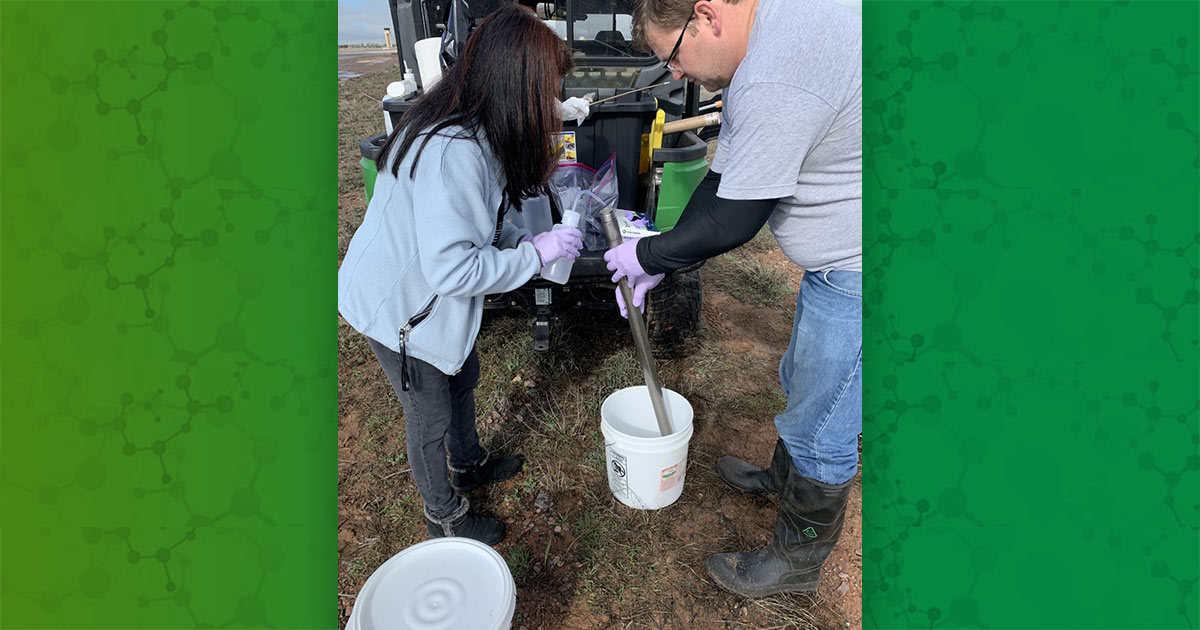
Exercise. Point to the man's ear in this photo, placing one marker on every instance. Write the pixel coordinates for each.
(709, 14)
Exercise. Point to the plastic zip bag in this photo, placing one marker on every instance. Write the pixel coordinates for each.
(587, 191)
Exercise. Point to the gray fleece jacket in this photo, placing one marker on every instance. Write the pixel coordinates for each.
(431, 235)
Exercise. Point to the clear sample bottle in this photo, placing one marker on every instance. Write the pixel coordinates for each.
(559, 270)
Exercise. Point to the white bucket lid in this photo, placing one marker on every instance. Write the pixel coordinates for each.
(440, 584)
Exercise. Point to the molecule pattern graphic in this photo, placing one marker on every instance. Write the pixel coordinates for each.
(186, 212)
(918, 375)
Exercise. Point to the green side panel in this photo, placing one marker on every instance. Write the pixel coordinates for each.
(679, 180)
(369, 174)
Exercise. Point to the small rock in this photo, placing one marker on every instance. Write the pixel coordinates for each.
(528, 384)
(843, 575)
(543, 501)
(843, 589)
(558, 529)
(517, 379)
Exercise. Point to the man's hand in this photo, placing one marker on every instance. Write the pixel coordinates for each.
(623, 262)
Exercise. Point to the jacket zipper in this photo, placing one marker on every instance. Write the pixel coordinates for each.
(404, 331)
(423, 313)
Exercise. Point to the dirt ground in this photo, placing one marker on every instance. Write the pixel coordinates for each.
(580, 559)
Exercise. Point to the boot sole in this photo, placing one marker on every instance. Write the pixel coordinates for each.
(759, 493)
(751, 592)
(466, 489)
(490, 543)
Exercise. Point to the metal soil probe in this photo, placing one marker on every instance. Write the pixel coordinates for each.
(638, 325)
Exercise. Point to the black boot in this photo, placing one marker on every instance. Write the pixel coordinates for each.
(743, 475)
(489, 470)
(809, 523)
(466, 524)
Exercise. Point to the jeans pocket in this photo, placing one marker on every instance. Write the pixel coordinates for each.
(853, 289)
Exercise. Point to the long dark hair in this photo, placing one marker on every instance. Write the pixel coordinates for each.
(505, 83)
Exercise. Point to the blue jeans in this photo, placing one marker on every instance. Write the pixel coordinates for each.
(821, 373)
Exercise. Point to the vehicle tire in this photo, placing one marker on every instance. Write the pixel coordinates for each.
(673, 313)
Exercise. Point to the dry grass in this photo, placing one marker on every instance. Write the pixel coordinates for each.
(749, 280)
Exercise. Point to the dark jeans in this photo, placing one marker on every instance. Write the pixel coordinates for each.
(439, 416)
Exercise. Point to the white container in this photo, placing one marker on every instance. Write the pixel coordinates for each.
(534, 215)
(398, 90)
(559, 269)
(387, 116)
(429, 66)
(440, 584)
(645, 468)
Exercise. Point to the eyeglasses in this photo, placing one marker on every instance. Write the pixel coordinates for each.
(675, 50)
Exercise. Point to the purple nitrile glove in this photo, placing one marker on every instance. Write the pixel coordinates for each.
(561, 242)
(623, 261)
(639, 294)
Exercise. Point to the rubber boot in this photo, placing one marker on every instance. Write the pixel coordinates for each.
(742, 475)
(489, 470)
(466, 524)
(807, 527)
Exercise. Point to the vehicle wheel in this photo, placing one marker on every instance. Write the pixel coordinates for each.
(673, 313)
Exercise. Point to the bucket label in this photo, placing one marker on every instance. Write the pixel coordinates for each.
(617, 470)
(670, 477)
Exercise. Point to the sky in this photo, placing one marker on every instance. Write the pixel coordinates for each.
(362, 21)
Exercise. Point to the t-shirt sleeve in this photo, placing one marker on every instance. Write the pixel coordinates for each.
(768, 130)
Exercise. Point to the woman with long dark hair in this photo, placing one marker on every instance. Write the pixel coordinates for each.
(434, 241)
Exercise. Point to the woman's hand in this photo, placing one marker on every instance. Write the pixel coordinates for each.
(561, 242)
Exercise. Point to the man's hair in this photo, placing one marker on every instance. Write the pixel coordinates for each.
(665, 14)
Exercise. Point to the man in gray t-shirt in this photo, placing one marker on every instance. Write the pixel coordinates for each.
(789, 151)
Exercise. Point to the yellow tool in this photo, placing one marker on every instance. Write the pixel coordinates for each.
(652, 141)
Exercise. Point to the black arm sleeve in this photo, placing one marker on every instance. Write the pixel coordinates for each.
(708, 226)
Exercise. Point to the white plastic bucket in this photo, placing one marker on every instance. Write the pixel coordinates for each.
(645, 468)
(429, 65)
(440, 584)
